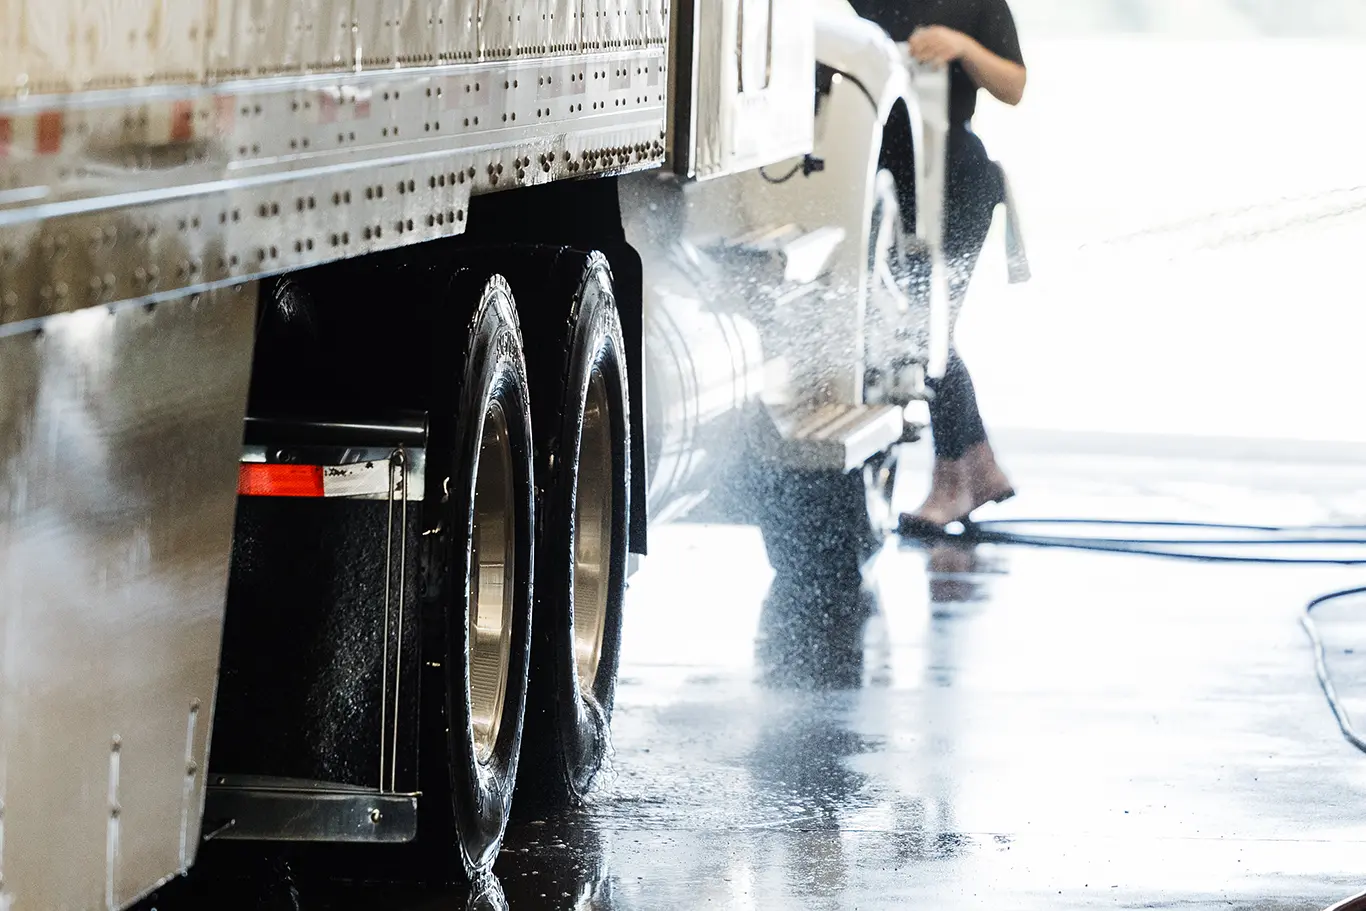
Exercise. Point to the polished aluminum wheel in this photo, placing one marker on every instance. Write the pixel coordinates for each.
(492, 583)
(593, 533)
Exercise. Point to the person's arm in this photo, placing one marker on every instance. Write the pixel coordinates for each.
(1004, 79)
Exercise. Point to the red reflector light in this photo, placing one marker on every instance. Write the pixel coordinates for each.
(257, 479)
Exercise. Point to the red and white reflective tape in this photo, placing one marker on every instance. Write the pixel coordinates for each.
(372, 480)
(51, 127)
(28, 136)
(32, 135)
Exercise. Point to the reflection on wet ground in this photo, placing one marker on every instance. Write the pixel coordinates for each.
(968, 728)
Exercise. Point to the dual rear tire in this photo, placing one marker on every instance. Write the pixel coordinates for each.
(530, 456)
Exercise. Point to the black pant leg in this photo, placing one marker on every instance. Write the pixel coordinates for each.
(954, 417)
(974, 190)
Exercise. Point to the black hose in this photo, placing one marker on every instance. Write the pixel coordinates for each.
(1190, 547)
(785, 178)
(1321, 668)
(1355, 903)
(1219, 544)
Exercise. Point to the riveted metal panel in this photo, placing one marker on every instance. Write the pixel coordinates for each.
(597, 23)
(46, 52)
(535, 35)
(73, 45)
(140, 194)
(126, 43)
(399, 33)
(256, 37)
(328, 39)
(119, 438)
(418, 30)
(499, 24)
(274, 37)
(460, 39)
(176, 33)
(565, 26)
(114, 43)
(144, 191)
(657, 13)
(634, 27)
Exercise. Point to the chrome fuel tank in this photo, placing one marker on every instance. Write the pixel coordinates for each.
(704, 360)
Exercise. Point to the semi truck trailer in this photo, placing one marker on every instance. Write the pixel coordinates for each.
(349, 349)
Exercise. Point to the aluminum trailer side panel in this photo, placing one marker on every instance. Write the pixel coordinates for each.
(120, 433)
(198, 143)
(132, 43)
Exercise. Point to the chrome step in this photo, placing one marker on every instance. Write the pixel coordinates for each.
(838, 438)
(257, 808)
(802, 255)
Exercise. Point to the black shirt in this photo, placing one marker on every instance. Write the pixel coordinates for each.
(988, 21)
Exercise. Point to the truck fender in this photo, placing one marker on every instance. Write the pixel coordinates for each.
(862, 53)
(871, 118)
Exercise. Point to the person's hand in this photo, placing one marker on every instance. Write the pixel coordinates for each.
(939, 45)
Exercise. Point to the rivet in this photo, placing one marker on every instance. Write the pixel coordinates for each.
(375, 815)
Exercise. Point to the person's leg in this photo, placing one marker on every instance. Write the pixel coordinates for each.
(956, 427)
(954, 418)
(966, 475)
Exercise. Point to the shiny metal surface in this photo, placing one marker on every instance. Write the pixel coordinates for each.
(151, 146)
(120, 433)
(705, 372)
(140, 192)
(137, 43)
(833, 438)
(252, 808)
(395, 615)
(592, 533)
(492, 587)
(748, 77)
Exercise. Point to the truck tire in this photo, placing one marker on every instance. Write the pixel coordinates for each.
(478, 629)
(581, 415)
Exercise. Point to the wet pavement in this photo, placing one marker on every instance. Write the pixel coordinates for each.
(974, 728)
